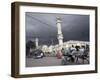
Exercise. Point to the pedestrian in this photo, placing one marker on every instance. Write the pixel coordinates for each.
(59, 54)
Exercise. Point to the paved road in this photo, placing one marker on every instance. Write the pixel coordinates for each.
(46, 61)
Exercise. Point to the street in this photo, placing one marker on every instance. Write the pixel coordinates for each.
(48, 61)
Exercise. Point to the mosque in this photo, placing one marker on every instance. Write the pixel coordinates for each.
(60, 38)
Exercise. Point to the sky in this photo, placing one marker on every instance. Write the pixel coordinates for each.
(43, 26)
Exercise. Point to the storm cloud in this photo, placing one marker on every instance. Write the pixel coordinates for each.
(43, 26)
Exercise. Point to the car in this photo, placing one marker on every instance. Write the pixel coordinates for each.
(37, 54)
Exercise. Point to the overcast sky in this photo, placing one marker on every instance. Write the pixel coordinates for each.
(43, 26)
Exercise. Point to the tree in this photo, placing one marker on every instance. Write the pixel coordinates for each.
(29, 44)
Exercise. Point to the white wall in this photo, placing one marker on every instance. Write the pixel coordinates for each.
(5, 40)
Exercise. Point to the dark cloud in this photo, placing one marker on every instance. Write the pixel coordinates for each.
(43, 26)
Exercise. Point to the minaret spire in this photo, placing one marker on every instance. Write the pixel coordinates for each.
(36, 42)
(60, 35)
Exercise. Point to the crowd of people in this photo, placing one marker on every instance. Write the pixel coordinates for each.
(75, 54)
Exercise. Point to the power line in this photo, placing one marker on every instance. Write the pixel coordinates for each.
(39, 20)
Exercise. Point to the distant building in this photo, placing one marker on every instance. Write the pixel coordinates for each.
(76, 43)
(67, 44)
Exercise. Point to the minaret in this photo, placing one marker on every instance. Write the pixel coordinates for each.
(60, 35)
(36, 42)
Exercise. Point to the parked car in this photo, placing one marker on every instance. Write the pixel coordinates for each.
(37, 54)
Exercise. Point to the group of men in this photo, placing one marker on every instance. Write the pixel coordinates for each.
(75, 54)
